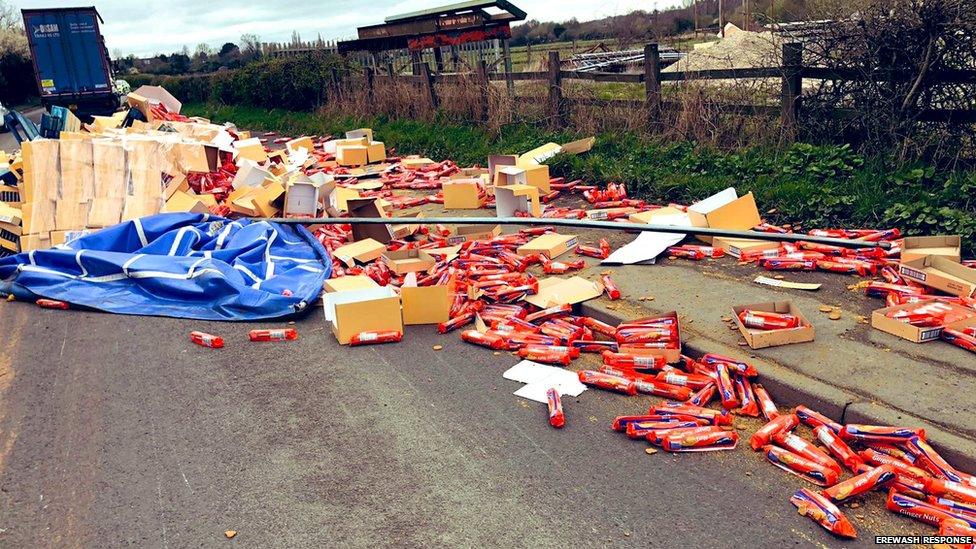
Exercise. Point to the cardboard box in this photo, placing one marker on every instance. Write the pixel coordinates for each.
(408, 261)
(300, 143)
(341, 198)
(540, 155)
(266, 197)
(9, 214)
(462, 194)
(416, 163)
(349, 282)
(466, 233)
(759, 339)
(251, 175)
(375, 152)
(551, 245)
(916, 247)
(361, 133)
(352, 155)
(538, 177)
(510, 175)
(302, 197)
(368, 207)
(251, 149)
(424, 304)
(29, 242)
(736, 246)
(517, 198)
(356, 311)
(185, 202)
(672, 356)
(725, 210)
(942, 274)
(361, 141)
(403, 230)
(66, 237)
(915, 334)
(362, 251)
(497, 161)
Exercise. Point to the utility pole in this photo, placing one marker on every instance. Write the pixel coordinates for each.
(695, 8)
(721, 18)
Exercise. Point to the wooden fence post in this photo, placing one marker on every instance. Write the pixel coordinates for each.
(368, 74)
(792, 91)
(555, 106)
(415, 62)
(427, 80)
(509, 82)
(389, 69)
(484, 84)
(652, 83)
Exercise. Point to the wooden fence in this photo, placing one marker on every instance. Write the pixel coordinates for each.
(791, 72)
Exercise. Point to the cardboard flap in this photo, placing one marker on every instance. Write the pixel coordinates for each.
(557, 291)
(364, 250)
(496, 161)
(349, 282)
(579, 146)
(333, 299)
(368, 207)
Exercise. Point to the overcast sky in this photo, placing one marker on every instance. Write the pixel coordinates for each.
(163, 26)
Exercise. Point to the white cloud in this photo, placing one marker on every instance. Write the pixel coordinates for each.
(160, 26)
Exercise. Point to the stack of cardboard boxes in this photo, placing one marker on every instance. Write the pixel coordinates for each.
(933, 261)
(11, 173)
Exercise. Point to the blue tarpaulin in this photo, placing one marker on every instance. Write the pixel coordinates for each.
(180, 265)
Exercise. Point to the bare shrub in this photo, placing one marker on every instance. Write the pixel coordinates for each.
(900, 52)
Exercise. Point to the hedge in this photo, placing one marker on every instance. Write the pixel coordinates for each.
(294, 83)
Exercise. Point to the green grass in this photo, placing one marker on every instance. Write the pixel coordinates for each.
(809, 185)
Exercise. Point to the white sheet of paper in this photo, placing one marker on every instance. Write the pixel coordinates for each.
(537, 391)
(530, 372)
(539, 378)
(648, 245)
(714, 202)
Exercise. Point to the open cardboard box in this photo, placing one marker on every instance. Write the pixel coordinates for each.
(916, 247)
(725, 210)
(425, 304)
(462, 194)
(368, 207)
(408, 261)
(512, 198)
(672, 356)
(915, 334)
(964, 323)
(498, 161)
(942, 274)
(355, 311)
(759, 339)
(551, 245)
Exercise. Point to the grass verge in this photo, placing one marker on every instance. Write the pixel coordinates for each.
(806, 185)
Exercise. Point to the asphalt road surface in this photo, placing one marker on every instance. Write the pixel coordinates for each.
(116, 430)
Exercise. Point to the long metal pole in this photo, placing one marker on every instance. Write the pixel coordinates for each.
(583, 223)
